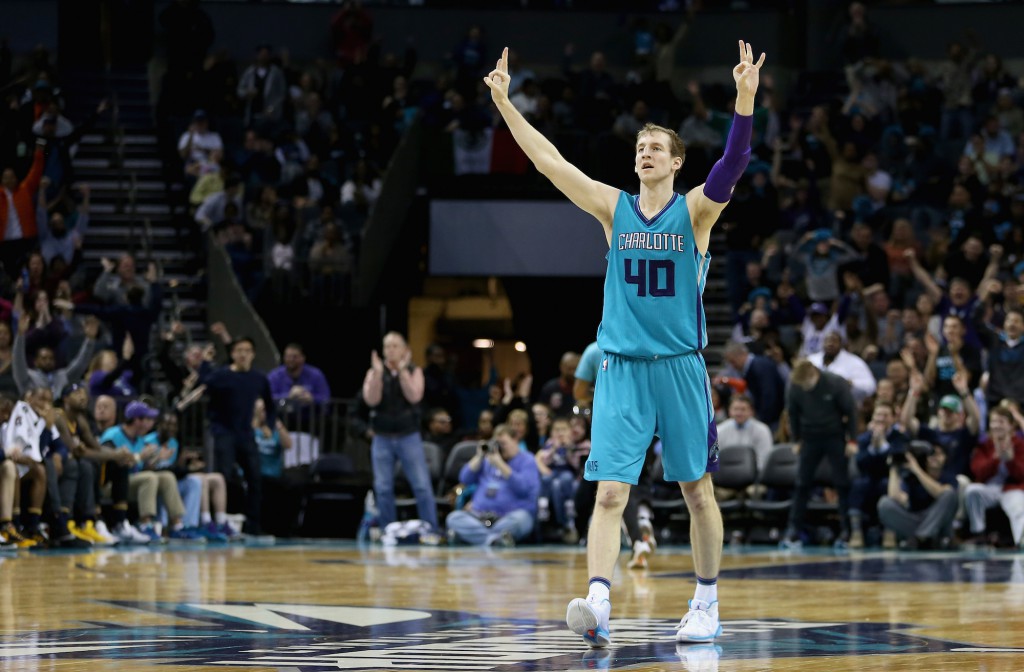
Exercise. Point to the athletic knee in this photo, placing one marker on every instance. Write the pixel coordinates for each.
(612, 496)
(699, 495)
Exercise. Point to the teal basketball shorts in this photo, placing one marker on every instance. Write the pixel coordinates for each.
(634, 399)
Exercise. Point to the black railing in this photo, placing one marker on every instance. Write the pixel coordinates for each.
(316, 429)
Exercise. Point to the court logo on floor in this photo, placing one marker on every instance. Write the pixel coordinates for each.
(311, 637)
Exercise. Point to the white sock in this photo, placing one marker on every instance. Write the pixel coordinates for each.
(706, 594)
(204, 518)
(221, 516)
(598, 592)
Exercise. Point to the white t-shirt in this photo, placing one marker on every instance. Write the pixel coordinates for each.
(202, 144)
(24, 429)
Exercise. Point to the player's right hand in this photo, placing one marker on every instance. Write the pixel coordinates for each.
(497, 80)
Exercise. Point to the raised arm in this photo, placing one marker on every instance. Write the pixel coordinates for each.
(590, 195)
(923, 276)
(707, 201)
(908, 415)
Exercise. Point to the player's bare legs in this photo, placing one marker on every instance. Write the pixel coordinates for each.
(603, 538)
(701, 622)
(589, 617)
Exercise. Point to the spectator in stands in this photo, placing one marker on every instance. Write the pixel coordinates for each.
(111, 288)
(848, 366)
(108, 375)
(263, 88)
(764, 383)
(439, 382)
(557, 393)
(360, 192)
(26, 438)
(198, 144)
(208, 488)
(1005, 351)
(180, 373)
(69, 484)
(874, 267)
(954, 430)
(439, 429)
(882, 439)
(922, 500)
(960, 301)
(46, 373)
(104, 412)
(330, 264)
(743, 429)
(541, 418)
(818, 322)
(43, 331)
(952, 356)
(393, 389)
(823, 423)
(146, 484)
(469, 57)
(58, 238)
(297, 381)
(504, 503)
(272, 442)
(214, 209)
(998, 468)
(73, 421)
(209, 177)
(527, 99)
(133, 320)
(557, 464)
(18, 210)
(232, 392)
(823, 255)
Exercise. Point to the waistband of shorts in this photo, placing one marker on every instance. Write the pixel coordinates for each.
(656, 358)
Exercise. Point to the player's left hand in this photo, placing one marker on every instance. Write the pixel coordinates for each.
(746, 73)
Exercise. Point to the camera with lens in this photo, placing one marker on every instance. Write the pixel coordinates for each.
(920, 450)
(488, 446)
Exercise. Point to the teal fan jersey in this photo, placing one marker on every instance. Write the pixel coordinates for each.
(653, 288)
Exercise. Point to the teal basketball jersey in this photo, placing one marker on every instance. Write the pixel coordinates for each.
(653, 287)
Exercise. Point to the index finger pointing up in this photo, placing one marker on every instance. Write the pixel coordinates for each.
(504, 59)
(743, 52)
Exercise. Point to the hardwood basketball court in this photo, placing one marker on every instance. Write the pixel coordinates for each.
(324, 606)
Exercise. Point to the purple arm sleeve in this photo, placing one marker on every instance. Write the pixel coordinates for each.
(727, 170)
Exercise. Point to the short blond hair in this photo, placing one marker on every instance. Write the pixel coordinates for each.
(676, 144)
(503, 430)
(803, 372)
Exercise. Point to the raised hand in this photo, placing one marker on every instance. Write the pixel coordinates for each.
(127, 347)
(747, 72)
(498, 80)
(376, 363)
(961, 384)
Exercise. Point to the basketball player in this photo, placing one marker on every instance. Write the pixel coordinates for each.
(652, 377)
